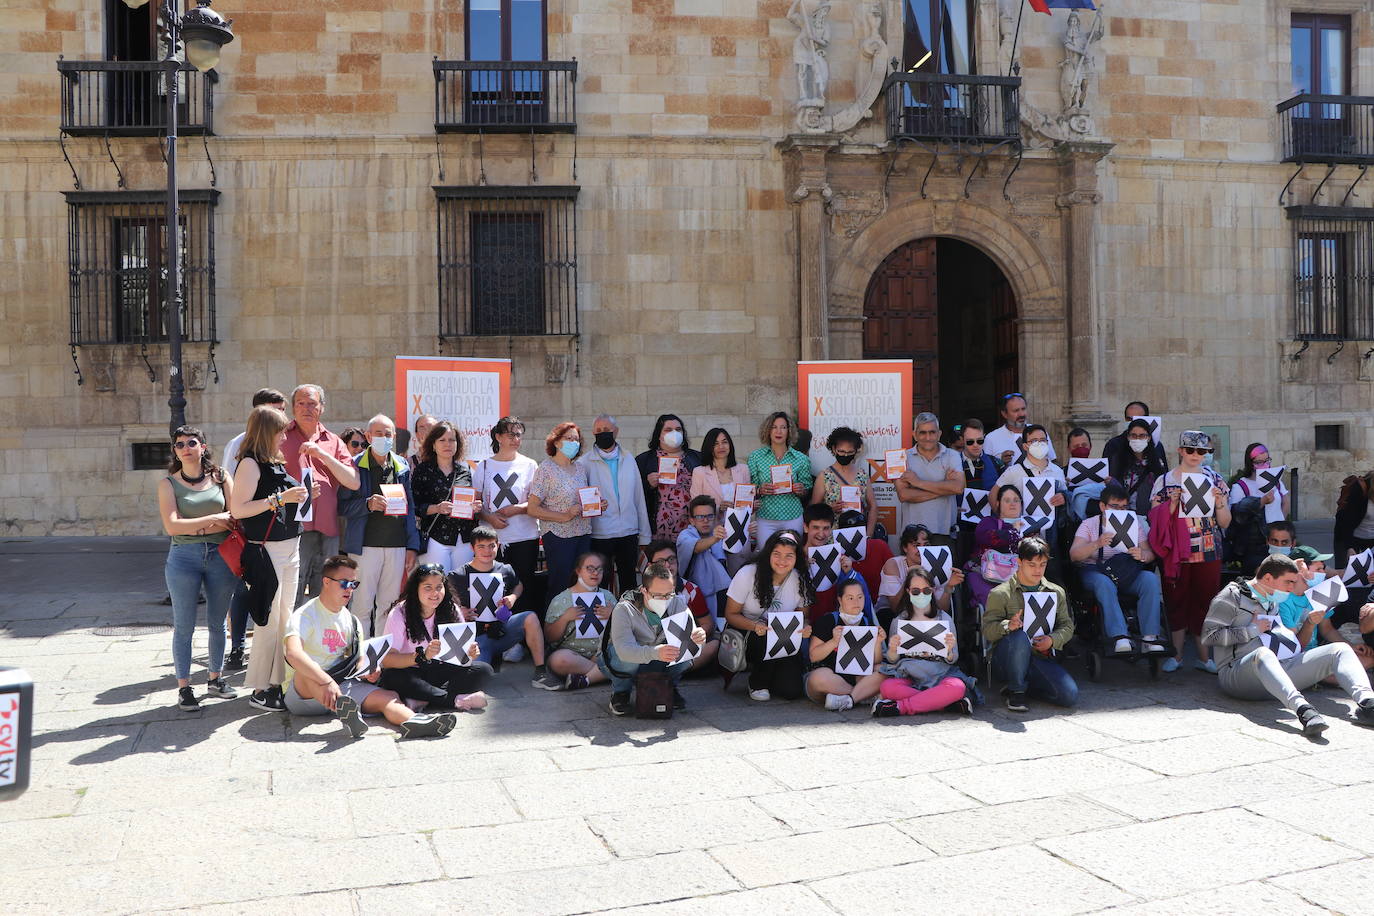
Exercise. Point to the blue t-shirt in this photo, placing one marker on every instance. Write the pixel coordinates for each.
(1294, 610)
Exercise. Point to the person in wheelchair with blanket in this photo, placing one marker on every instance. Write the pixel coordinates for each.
(1108, 569)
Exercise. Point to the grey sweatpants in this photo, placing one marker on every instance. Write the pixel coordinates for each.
(1260, 674)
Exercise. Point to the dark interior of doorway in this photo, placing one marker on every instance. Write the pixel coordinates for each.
(977, 321)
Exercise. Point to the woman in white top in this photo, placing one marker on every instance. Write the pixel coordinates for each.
(1035, 462)
(771, 584)
(1246, 483)
(503, 483)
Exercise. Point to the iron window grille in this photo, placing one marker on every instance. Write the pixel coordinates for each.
(117, 243)
(1333, 272)
(507, 261)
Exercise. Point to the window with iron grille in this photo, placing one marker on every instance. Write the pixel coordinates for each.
(117, 244)
(507, 261)
(1333, 273)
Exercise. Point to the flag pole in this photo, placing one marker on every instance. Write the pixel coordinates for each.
(1016, 37)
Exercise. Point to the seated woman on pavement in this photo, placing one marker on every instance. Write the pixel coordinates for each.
(1106, 576)
(574, 657)
(322, 654)
(771, 584)
(894, 572)
(1021, 662)
(636, 641)
(412, 668)
(824, 684)
(927, 681)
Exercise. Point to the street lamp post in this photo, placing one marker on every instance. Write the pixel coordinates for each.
(204, 32)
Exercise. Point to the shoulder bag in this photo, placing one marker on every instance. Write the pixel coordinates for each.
(730, 655)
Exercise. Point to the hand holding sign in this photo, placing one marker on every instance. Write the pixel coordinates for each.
(305, 511)
(1277, 638)
(370, 658)
(1036, 493)
(463, 502)
(923, 637)
(1327, 594)
(973, 506)
(1124, 528)
(850, 498)
(744, 496)
(395, 496)
(1086, 470)
(781, 475)
(678, 629)
(854, 656)
(1039, 610)
(1197, 500)
(485, 590)
(784, 634)
(937, 560)
(591, 501)
(590, 624)
(454, 640)
(667, 470)
(1360, 570)
(894, 463)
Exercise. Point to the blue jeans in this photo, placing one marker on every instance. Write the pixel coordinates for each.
(622, 674)
(1023, 670)
(1147, 599)
(189, 568)
(560, 555)
(492, 649)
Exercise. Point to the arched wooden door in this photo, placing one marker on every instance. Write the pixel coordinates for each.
(902, 320)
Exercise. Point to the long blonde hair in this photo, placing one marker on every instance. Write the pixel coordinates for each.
(260, 441)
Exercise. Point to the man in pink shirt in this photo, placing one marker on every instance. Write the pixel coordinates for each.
(309, 445)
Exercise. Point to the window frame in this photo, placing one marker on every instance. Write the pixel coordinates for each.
(506, 22)
(934, 60)
(1339, 296)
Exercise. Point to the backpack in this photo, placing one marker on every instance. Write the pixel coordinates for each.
(1246, 542)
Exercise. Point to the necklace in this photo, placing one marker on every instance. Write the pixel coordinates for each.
(193, 480)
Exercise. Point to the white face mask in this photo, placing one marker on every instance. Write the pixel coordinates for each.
(851, 620)
(1038, 450)
(382, 444)
(657, 605)
(1138, 445)
(672, 438)
(920, 602)
(585, 584)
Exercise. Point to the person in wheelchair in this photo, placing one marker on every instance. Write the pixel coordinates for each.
(1107, 576)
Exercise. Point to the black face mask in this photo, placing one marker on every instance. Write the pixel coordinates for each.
(605, 441)
(845, 459)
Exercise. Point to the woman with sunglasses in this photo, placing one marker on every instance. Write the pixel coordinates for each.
(1246, 482)
(572, 657)
(929, 680)
(441, 468)
(848, 471)
(895, 572)
(412, 668)
(1196, 565)
(193, 500)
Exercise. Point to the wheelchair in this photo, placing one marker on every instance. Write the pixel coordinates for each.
(1098, 645)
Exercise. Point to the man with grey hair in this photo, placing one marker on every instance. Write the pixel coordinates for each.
(309, 445)
(929, 489)
(381, 535)
(619, 531)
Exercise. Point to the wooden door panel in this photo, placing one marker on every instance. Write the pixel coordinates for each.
(901, 317)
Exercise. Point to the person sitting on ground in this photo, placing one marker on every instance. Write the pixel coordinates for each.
(411, 668)
(848, 470)
(701, 552)
(1296, 610)
(1022, 663)
(1000, 533)
(1246, 482)
(772, 583)
(666, 553)
(495, 637)
(1137, 464)
(1249, 670)
(925, 682)
(895, 570)
(574, 658)
(824, 684)
(637, 641)
(322, 651)
(1093, 552)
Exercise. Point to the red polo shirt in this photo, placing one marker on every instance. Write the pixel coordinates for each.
(326, 518)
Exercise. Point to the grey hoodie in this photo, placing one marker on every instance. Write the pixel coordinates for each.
(1230, 625)
(636, 640)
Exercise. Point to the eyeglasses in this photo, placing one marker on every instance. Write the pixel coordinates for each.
(661, 597)
(1189, 450)
(346, 583)
(189, 443)
(1121, 508)
(357, 444)
(594, 569)
(921, 591)
(973, 441)
(1033, 441)
(703, 518)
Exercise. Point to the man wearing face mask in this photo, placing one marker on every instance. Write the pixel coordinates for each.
(384, 544)
(1250, 670)
(623, 528)
(1002, 442)
(637, 641)
(1296, 610)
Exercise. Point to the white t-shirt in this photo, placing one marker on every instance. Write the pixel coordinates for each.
(516, 475)
(1252, 488)
(786, 597)
(1002, 440)
(325, 637)
(230, 459)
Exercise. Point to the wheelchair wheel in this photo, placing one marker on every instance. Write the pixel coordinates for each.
(1093, 659)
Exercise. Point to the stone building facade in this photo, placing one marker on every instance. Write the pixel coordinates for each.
(1120, 208)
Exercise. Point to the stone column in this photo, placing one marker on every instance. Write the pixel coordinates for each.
(809, 192)
(1078, 200)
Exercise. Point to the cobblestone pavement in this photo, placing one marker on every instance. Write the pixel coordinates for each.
(1151, 797)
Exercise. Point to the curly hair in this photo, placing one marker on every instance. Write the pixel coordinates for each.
(766, 428)
(558, 432)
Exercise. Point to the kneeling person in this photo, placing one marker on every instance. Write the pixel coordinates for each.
(637, 641)
(321, 654)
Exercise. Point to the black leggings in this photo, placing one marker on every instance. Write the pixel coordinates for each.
(523, 557)
(782, 677)
(437, 683)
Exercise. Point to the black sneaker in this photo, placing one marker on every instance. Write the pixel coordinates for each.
(219, 690)
(620, 704)
(428, 725)
(1312, 722)
(963, 706)
(269, 699)
(1364, 714)
(186, 699)
(575, 682)
(1016, 701)
(545, 679)
(885, 709)
(351, 716)
(235, 661)
(679, 701)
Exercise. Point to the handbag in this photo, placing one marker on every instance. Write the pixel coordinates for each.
(231, 549)
(653, 695)
(1121, 568)
(997, 566)
(730, 655)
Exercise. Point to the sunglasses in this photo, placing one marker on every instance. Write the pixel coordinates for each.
(1014, 394)
(973, 441)
(346, 583)
(921, 591)
(1189, 450)
(429, 569)
(357, 444)
(189, 443)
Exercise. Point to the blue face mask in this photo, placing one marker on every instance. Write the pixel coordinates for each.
(1316, 579)
(1281, 551)
(382, 444)
(569, 449)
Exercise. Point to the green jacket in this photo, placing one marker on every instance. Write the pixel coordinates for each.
(1005, 601)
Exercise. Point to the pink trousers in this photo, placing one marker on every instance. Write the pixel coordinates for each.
(910, 701)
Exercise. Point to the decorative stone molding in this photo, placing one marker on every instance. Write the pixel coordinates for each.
(809, 56)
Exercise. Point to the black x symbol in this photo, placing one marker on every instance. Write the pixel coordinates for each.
(303, 509)
(1359, 569)
(913, 638)
(1195, 495)
(589, 625)
(1269, 478)
(1153, 426)
(735, 524)
(853, 644)
(1039, 609)
(1327, 595)
(456, 641)
(1094, 471)
(975, 503)
(1034, 525)
(505, 490)
(679, 629)
(1038, 498)
(937, 561)
(1121, 530)
(849, 543)
(1278, 639)
(373, 652)
(484, 593)
(784, 631)
(826, 561)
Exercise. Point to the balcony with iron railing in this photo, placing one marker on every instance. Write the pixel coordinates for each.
(129, 98)
(1332, 129)
(953, 108)
(472, 96)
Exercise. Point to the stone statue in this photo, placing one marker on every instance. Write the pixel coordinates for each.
(1006, 36)
(1078, 71)
(808, 52)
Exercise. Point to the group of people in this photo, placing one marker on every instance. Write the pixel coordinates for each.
(676, 560)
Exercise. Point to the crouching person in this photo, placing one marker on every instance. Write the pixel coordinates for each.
(1248, 669)
(322, 653)
(1024, 664)
(637, 641)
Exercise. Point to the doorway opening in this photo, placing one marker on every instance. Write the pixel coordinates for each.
(947, 306)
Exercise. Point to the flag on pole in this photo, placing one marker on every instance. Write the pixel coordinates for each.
(1044, 6)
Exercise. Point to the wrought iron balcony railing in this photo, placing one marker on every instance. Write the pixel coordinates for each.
(505, 96)
(129, 98)
(1327, 128)
(953, 108)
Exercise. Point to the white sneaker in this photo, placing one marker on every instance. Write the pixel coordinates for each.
(1152, 644)
(762, 695)
(839, 701)
(1123, 646)
(515, 653)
